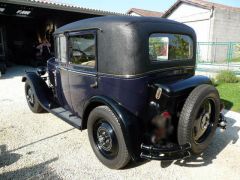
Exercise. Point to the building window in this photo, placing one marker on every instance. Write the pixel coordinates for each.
(164, 47)
(82, 50)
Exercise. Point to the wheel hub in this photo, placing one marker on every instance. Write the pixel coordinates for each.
(104, 138)
(203, 122)
(30, 96)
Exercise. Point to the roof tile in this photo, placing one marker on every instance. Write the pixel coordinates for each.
(144, 12)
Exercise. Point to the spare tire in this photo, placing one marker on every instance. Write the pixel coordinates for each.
(199, 118)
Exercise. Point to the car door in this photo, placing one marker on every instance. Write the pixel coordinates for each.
(62, 75)
(82, 68)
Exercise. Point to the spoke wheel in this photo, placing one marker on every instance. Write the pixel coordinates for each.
(204, 122)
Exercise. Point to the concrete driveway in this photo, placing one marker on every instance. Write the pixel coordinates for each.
(40, 146)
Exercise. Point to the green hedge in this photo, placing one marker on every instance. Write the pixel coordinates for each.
(227, 76)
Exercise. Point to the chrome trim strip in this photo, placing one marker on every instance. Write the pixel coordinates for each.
(77, 30)
(83, 73)
(146, 73)
(126, 76)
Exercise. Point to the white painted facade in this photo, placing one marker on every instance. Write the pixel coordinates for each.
(197, 18)
(210, 25)
(200, 20)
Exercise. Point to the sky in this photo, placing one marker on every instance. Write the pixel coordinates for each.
(122, 6)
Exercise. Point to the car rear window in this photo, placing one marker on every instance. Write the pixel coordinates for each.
(164, 47)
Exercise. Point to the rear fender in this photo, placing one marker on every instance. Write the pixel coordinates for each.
(41, 89)
(182, 86)
(172, 95)
(129, 123)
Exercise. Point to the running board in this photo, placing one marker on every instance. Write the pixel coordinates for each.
(67, 116)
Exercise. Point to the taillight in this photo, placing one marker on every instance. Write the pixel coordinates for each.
(166, 115)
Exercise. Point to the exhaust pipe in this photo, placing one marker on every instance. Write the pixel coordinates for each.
(222, 123)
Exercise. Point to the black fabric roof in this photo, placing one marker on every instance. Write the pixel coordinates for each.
(123, 42)
(110, 21)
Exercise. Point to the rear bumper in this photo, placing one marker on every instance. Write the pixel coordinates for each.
(173, 152)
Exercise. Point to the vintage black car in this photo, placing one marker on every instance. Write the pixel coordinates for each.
(130, 82)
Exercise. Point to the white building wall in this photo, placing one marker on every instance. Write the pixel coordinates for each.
(226, 29)
(195, 17)
(200, 20)
(218, 25)
(186, 12)
(226, 26)
(134, 14)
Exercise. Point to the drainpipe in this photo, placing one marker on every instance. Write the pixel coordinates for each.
(212, 54)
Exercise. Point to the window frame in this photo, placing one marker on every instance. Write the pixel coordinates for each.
(170, 60)
(56, 46)
(84, 32)
(57, 49)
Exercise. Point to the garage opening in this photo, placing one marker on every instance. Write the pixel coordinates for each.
(23, 30)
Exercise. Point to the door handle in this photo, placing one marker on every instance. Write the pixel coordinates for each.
(94, 85)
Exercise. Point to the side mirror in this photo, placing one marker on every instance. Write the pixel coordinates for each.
(41, 70)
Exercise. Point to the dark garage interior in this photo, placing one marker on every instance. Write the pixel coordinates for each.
(23, 27)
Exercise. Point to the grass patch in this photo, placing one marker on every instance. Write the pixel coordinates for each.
(230, 95)
(227, 76)
(236, 59)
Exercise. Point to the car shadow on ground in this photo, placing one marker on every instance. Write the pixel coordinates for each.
(227, 104)
(7, 158)
(220, 141)
(39, 171)
(134, 164)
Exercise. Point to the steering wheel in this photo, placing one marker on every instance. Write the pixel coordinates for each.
(84, 55)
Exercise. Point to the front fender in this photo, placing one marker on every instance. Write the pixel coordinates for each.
(42, 91)
(130, 125)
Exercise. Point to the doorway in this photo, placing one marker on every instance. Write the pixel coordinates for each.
(2, 54)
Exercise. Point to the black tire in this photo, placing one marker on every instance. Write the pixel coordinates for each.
(116, 156)
(33, 104)
(202, 102)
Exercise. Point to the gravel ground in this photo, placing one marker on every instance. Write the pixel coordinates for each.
(40, 146)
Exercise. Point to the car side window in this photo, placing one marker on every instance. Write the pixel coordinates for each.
(82, 50)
